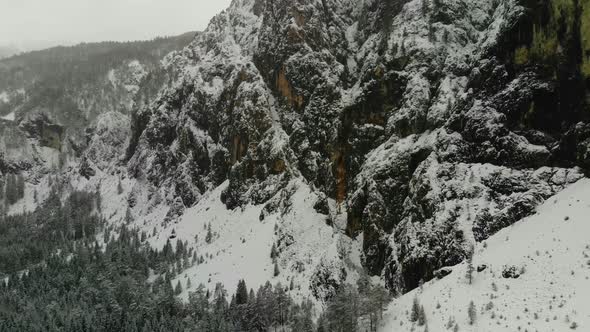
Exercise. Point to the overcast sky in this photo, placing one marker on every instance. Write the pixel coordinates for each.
(73, 21)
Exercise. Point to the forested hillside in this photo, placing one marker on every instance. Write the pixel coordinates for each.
(336, 152)
(40, 79)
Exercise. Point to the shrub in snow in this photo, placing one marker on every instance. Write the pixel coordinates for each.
(510, 271)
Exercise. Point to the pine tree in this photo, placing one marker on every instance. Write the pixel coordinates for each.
(273, 252)
(415, 313)
(209, 236)
(98, 198)
(421, 316)
(281, 309)
(128, 216)
(119, 187)
(11, 190)
(276, 270)
(342, 312)
(470, 268)
(241, 293)
(188, 283)
(302, 318)
(20, 187)
(472, 313)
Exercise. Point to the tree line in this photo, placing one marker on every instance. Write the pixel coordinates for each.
(60, 277)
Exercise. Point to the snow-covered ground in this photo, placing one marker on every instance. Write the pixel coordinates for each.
(551, 250)
(8, 117)
(4, 97)
(241, 244)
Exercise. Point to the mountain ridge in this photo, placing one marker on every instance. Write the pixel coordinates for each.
(416, 128)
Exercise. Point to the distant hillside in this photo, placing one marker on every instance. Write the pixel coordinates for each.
(6, 51)
(80, 77)
(51, 100)
(81, 61)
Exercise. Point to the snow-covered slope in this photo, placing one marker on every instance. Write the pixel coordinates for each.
(412, 115)
(551, 252)
(315, 255)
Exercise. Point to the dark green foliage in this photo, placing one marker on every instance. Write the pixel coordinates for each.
(343, 312)
(373, 300)
(302, 317)
(241, 293)
(76, 65)
(75, 284)
(30, 238)
(178, 288)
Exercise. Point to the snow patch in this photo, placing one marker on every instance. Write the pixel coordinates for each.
(4, 97)
(8, 117)
(550, 251)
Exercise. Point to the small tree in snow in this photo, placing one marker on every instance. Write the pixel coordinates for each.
(178, 288)
(128, 216)
(472, 313)
(415, 313)
(470, 268)
(421, 316)
(273, 252)
(209, 236)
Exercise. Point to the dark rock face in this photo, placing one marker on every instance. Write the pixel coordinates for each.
(432, 124)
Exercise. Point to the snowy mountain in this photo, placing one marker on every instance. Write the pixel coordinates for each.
(531, 276)
(417, 124)
(342, 136)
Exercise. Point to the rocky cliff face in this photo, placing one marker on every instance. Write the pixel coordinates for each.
(419, 126)
(430, 124)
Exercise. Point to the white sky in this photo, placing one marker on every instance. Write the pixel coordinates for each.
(72, 21)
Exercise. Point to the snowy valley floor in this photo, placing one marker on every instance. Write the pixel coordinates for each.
(551, 250)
